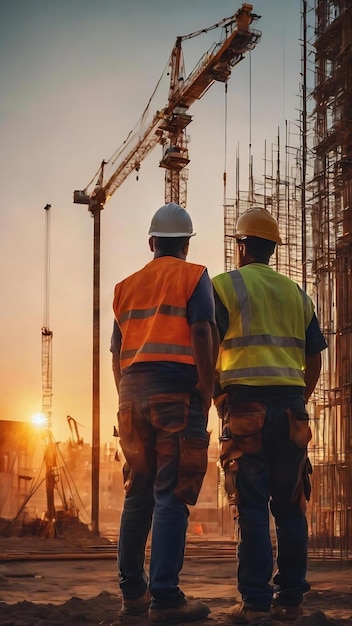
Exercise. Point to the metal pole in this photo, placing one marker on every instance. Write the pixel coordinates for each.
(95, 210)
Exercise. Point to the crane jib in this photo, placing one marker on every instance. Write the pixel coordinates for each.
(168, 126)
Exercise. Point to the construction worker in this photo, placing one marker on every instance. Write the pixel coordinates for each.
(269, 363)
(164, 346)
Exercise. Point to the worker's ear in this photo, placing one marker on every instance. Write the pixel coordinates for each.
(242, 249)
(151, 244)
(185, 248)
(240, 253)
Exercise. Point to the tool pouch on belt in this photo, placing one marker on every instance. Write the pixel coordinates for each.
(242, 434)
(192, 468)
(228, 459)
(221, 404)
(299, 429)
(245, 423)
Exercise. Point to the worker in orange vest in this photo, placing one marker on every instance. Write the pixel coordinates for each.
(269, 363)
(164, 347)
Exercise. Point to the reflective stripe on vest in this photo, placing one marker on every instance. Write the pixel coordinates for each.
(156, 349)
(162, 309)
(250, 355)
(264, 340)
(151, 310)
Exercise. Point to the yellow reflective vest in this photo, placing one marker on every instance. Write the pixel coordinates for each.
(150, 307)
(268, 318)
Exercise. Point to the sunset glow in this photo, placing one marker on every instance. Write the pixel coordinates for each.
(39, 420)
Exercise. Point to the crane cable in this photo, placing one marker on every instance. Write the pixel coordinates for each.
(225, 142)
(225, 21)
(111, 161)
(224, 176)
(141, 119)
(250, 156)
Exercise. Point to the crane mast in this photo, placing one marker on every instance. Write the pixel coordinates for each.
(47, 334)
(168, 126)
(52, 472)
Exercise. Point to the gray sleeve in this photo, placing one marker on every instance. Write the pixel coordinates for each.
(221, 315)
(315, 341)
(201, 306)
(115, 342)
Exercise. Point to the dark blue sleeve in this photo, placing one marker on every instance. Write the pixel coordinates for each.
(221, 316)
(315, 341)
(201, 306)
(115, 342)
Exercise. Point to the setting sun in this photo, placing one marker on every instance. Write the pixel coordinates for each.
(39, 420)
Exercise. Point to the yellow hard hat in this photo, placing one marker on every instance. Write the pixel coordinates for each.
(258, 222)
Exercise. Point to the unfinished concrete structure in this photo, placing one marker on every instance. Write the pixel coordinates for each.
(308, 188)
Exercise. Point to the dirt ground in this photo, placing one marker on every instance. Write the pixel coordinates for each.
(51, 582)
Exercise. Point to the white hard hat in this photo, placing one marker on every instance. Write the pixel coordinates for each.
(171, 220)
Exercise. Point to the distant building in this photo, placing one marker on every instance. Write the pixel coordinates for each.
(20, 460)
(23, 495)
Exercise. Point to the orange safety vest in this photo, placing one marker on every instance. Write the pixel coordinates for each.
(150, 307)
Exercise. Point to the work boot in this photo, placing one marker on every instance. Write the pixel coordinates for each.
(240, 614)
(187, 612)
(286, 613)
(137, 606)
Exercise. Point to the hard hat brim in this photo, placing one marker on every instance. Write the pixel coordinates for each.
(168, 235)
(244, 237)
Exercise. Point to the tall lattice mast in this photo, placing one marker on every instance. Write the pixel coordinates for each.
(47, 334)
(52, 471)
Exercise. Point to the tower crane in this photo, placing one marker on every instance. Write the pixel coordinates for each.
(51, 468)
(167, 128)
(47, 334)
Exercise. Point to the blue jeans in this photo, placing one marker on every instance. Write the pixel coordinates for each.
(164, 439)
(273, 476)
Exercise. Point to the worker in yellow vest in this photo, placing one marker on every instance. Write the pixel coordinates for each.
(164, 346)
(269, 363)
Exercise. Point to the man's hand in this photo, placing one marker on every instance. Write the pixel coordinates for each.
(313, 367)
(203, 354)
(221, 405)
(116, 369)
(206, 399)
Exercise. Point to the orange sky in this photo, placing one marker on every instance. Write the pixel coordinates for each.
(75, 78)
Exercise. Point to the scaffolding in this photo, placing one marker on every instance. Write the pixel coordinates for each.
(331, 213)
(280, 193)
(307, 186)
